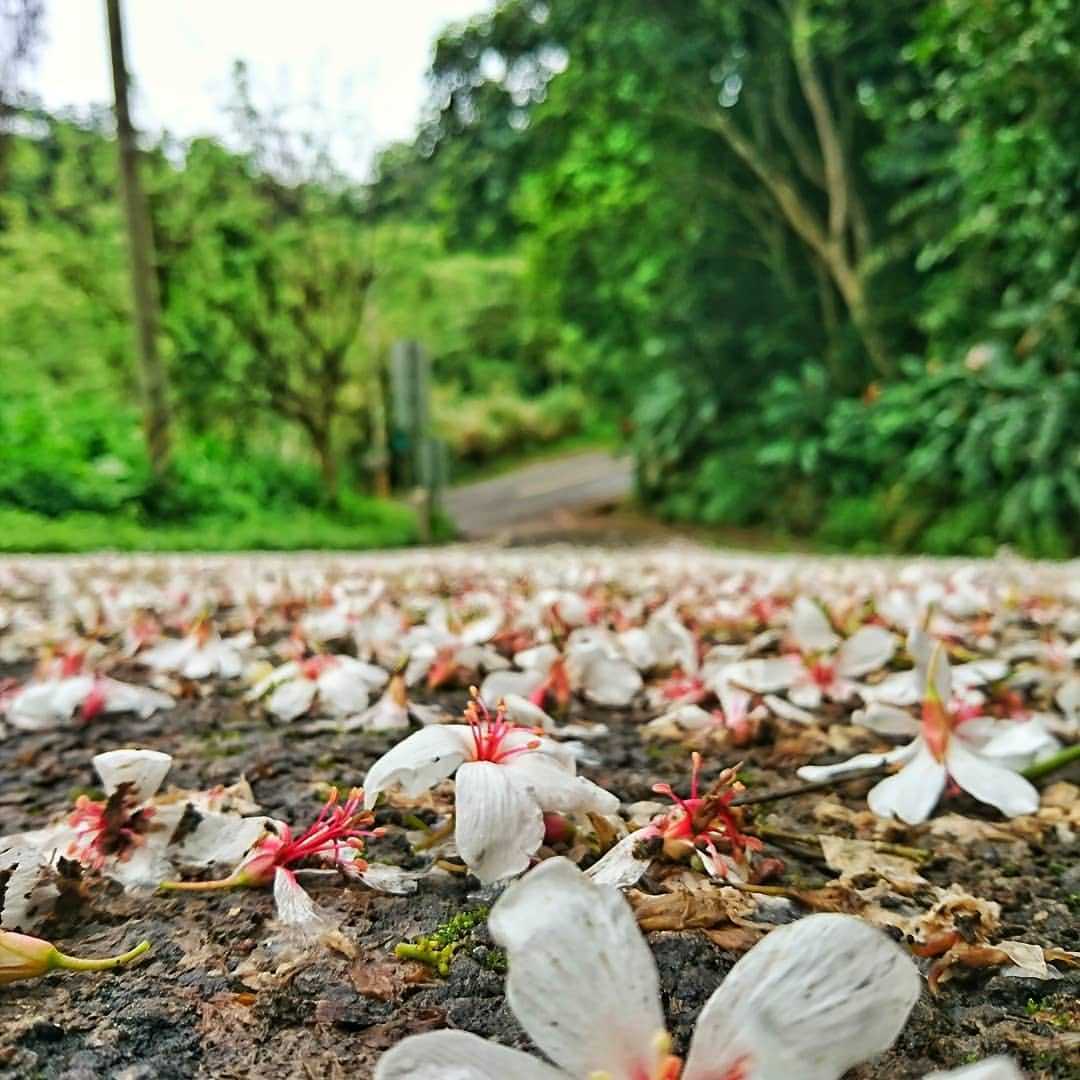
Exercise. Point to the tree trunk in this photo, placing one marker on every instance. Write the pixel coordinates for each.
(141, 244)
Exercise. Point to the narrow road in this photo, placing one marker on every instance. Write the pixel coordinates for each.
(578, 482)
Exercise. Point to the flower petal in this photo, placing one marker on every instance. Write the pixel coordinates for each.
(145, 770)
(553, 788)
(989, 782)
(822, 994)
(459, 1055)
(620, 867)
(913, 792)
(765, 676)
(295, 908)
(810, 628)
(816, 773)
(886, 720)
(342, 690)
(498, 824)
(995, 1068)
(292, 699)
(389, 879)
(418, 762)
(582, 979)
(869, 648)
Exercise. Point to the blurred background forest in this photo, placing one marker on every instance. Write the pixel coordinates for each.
(816, 262)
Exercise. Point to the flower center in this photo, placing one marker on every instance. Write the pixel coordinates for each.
(489, 733)
(823, 674)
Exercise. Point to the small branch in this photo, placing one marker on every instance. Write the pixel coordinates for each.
(806, 789)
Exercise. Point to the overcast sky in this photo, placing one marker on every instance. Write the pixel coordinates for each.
(363, 60)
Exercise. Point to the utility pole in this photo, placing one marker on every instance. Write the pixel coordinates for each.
(141, 244)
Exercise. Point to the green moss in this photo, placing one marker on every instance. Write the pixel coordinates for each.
(437, 949)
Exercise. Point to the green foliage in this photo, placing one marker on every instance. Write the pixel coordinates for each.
(74, 477)
(948, 459)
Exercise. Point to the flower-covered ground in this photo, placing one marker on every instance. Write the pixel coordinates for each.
(646, 714)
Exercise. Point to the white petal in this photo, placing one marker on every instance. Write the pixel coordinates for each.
(683, 718)
(220, 839)
(498, 826)
(734, 702)
(295, 908)
(144, 769)
(122, 697)
(459, 1055)
(989, 782)
(387, 714)
(886, 720)
(389, 879)
(611, 683)
(30, 892)
(805, 695)
(292, 699)
(554, 788)
(276, 677)
(913, 792)
(766, 676)
(783, 708)
(503, 684)
(342, 691)
(169, 655)
(995, 1068)
(901, 688)
(978, 672)
(419, 762)
(620, 867)
(815, 773)
(820, 995)
(520, 710)
(582, 980)
(1018, 743)
(810, 628)
(672, 642)
(869, 648)
(928, 653)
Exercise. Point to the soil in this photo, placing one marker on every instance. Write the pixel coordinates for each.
(188, 1010)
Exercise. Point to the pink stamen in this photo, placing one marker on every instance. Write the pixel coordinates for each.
(489, 732)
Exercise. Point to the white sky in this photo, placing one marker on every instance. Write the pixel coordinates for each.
(362, 60)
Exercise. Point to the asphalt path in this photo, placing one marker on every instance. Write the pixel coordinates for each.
(575, 483)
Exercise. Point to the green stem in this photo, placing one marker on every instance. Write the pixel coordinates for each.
(75, 963)
(200, 886)
(1053, 763)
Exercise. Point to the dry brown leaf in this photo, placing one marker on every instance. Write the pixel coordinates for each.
(378, 979)
(735, 938)
(856, 858)
(689, 902)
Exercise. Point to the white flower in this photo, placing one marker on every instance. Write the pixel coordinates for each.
(202, 654)
(53, 702)
(334, 685)
(506, 778)
(980, 756)
(824, 667)
(393, 711)
(813, 999)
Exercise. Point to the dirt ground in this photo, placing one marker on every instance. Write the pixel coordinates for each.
(197, 1005)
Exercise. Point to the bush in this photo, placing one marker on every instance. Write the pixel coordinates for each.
(73, 477)
(948, 459)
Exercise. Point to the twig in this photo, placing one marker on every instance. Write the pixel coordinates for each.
(805, 789)
(768, 832)
(1051, 764)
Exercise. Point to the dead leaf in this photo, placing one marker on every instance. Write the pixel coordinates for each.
(855, 858)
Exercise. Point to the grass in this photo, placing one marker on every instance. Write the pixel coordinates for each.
(372, 524)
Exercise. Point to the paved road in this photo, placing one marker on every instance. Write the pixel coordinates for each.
(578, 482)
